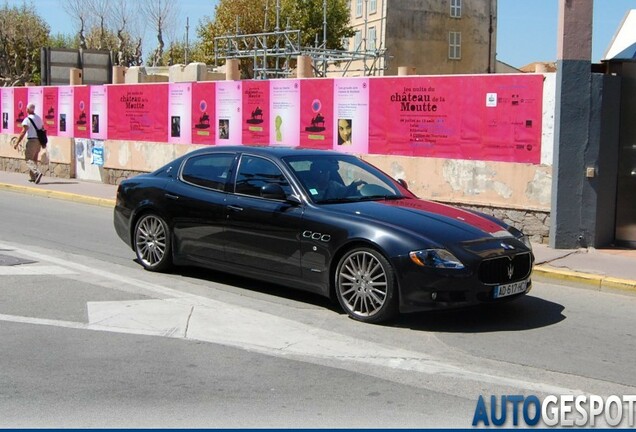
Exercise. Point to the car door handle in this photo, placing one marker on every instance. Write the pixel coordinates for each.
(235, 208)
(172, 197)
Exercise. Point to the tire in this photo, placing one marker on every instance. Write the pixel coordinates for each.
(152, 243)
(365, 286)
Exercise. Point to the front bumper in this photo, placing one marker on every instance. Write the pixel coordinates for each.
(437, 289)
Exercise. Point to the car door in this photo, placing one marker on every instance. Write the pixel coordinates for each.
(262, 233)
(200, 200)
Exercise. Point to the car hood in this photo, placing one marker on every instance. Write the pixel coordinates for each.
(438, 222)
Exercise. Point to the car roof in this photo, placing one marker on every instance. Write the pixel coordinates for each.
(278, 152)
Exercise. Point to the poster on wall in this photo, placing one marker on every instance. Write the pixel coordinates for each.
(255, 112)
(203, 130)
(20, 101)
(81, 111)
(50, 112)
(99, 112)
(7, 109)
(180, 113)
(65, 111)
(35, 96)
(351, 112)
(138, 112)
(228, 112)
(316, 113)
(471, 117)
(89, 159)
(284, 107)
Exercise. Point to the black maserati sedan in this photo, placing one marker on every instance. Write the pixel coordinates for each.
(324, 222)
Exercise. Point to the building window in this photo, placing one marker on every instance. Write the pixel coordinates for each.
(456, 8)
(454, 45)
(373, 6)
(345, 44)
(349, 5)
(371, 39)
(358, 8)
(357, 40)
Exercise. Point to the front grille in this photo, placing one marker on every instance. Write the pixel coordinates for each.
(505, 269)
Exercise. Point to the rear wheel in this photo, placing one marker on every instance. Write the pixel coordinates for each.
(152, 243)
(365, 286)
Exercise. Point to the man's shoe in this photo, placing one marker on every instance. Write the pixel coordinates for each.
(38, 178)
(31, 180)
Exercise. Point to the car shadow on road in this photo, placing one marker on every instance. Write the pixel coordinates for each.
(258, 287)
(525, 313)
(522, 314)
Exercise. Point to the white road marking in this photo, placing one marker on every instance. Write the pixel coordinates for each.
(34, 270)
(184, 315)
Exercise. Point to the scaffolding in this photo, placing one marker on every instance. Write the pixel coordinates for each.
(273, 53)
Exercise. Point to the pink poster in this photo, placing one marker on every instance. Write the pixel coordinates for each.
(494, 117)
(203, 130)
(66, 111)
(8, 124)
(284, 106)
(99, 112)
(50, 111)
(228, 112)
(81, 107)
(20, 101)
(255, 112)
(35, 95)
(351, 110)
(138, 112)
(316, 113)
(180, 113)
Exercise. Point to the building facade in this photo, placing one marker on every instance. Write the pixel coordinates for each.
(424, 37)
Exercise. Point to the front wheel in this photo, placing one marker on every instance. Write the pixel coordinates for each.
(366, 286)
(152, 243)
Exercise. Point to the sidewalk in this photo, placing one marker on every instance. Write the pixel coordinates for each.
(598, 269)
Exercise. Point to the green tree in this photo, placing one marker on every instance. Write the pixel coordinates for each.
(60, 40)
(307, 15)
(22, 34)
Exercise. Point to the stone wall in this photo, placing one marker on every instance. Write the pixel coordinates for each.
(534, 223)
(49, 169)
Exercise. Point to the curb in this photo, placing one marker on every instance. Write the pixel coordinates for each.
(102, 202)
(589, 280)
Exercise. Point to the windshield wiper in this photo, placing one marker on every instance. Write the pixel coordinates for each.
(336, 200)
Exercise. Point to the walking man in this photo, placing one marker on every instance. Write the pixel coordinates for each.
(33, 146)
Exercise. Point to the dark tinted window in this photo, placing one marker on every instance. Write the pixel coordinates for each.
(210, 171)
(256, 172)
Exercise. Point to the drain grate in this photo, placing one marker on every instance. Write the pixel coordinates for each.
(8, 260)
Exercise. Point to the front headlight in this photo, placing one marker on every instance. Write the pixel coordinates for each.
(436, 258)
(526, 241)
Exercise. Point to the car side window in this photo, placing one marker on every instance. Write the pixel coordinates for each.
(209, 170)
(255, 172)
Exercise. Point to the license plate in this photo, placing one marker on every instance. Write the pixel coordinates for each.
(511, 289)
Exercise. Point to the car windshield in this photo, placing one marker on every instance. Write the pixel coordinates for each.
(341, 178)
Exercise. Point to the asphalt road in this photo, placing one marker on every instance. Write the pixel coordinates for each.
(90, 339)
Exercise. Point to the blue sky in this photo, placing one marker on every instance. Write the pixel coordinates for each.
(527, 29)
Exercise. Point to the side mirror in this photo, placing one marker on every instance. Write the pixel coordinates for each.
(403, 183)
(273, 191)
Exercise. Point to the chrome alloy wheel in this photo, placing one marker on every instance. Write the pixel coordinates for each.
(363, 284)
(151, 242)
